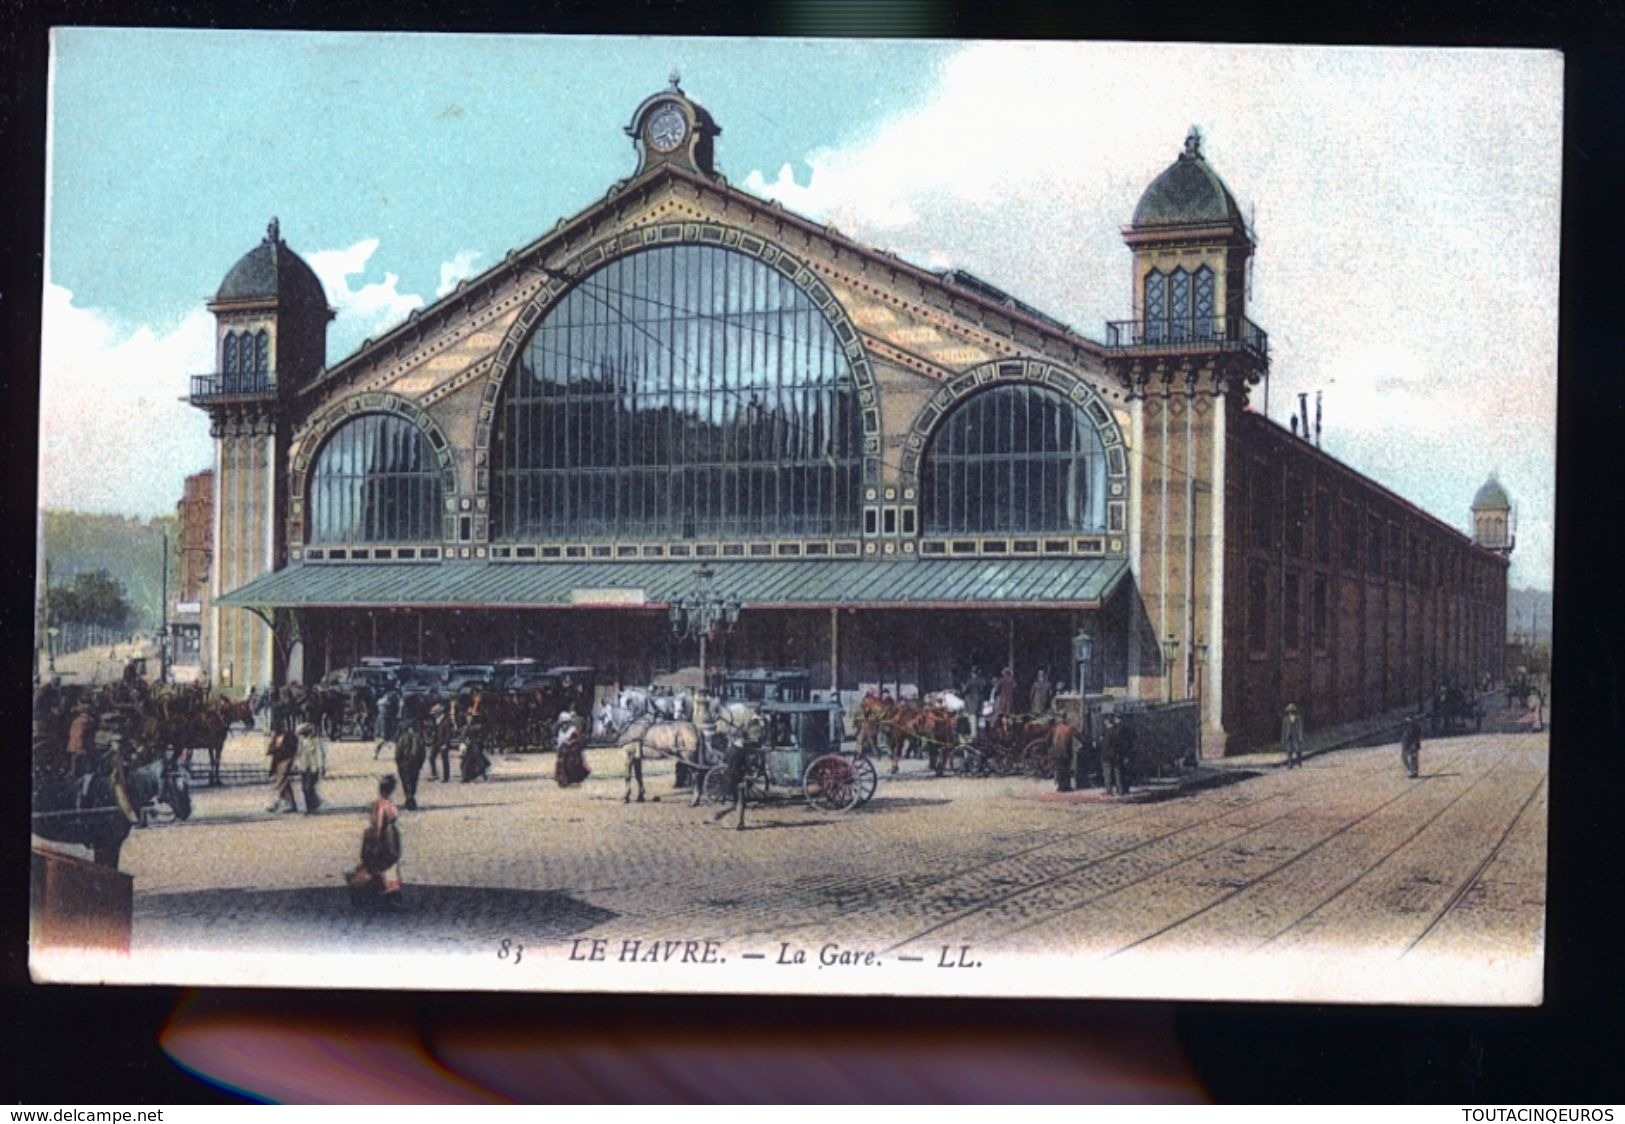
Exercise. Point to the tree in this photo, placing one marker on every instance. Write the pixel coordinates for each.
(94, 598)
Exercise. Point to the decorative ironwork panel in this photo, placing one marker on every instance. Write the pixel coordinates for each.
(681, 392)
(376, 480)
(1015, 458)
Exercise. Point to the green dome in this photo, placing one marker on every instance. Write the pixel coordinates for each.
(1492, 497)
(1188, 192)
(271, 271)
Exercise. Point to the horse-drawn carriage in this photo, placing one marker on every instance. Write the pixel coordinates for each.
(800, 751)
(1453, 710)
(1010, 745)
(524, 716)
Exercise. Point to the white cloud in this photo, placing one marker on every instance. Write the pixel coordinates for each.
(460, 267)
(1385, 184)
(115, 432)
(364, 310)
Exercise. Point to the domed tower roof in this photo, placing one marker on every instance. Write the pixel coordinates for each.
(1189, 192)
(1492, 497)
(273, 272)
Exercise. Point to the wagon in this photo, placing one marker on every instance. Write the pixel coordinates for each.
(801, 751)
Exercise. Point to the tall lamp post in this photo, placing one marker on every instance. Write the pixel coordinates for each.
(1170, 658)
(702, 614)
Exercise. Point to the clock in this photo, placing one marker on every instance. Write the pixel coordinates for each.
(667, 128)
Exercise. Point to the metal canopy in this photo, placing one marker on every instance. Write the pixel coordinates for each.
(980, 583)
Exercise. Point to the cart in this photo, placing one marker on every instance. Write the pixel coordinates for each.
(800, 751)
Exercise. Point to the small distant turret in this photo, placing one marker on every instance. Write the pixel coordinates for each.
(1492, 518)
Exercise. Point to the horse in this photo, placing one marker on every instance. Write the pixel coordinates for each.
(650, 737)
(908, 726)
(204, 730)
(946, 700)
(239, 710)
(611, 718)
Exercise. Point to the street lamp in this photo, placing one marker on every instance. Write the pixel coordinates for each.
(1170, 656)
(50, 645)
(702, 614)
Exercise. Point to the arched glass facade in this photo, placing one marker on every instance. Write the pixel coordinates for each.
(376, 480)
(679, 392)
(1015, 459)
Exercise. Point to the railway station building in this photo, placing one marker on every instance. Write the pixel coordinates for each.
(890, 475)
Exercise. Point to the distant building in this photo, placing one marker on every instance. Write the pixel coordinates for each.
(896, 475)
(189, 615)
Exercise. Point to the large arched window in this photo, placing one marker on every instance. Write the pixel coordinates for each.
(679, 392)
(376, 480)
(1156, 308)
(1015, 459)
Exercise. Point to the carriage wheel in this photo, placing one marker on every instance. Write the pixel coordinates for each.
(713, 789)
(1036, 758)
(831, 783)
(868, 779)
(965, 761)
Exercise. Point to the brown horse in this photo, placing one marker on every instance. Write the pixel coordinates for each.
(907, 726)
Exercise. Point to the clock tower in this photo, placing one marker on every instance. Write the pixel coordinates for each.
(672, 128)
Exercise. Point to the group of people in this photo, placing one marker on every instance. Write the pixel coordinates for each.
(1114, 742)
(1003, 690)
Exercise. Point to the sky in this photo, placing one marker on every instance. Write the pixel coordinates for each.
(1405, 202)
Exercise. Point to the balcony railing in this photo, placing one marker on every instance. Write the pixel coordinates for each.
(1227, 333)
(223, 385)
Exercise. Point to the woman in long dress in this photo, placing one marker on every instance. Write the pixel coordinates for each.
(378, 878)
(569, 766)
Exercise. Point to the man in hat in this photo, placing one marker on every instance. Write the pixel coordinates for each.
(1038, 699)
(1292, 736)
(440, 742)
(1116, 746)
(312, 764)
(1410, 746)
(409, 754)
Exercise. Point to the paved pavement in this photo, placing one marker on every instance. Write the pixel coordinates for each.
(1287, 879)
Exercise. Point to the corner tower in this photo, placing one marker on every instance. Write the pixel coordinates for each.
(1187, 356)
(271, 319)
(1492, 519)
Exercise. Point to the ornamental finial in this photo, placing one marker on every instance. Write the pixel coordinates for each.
(1193, 142)
(273, 231)
(676, 78)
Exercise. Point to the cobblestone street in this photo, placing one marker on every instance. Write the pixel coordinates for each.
(1345, 862)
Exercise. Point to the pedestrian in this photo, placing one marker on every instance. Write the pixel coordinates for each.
(378, 877)
(440, 738)
(1116, 749)
(312, 765)
(974, 693)
(569, 764)
(389, 713)
(1292, 736)
(1004, 694)
(409, 755)
(738, 766)
(81, 738)
(1038, 698)
(1410, 746)
(283, 752)
(1061, 745)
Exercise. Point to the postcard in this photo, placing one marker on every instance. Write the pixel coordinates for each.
(796, 516)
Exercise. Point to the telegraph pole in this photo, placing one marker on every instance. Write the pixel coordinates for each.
(163, 616)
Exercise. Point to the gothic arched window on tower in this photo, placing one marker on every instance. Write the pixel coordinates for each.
(376, 480)
(262, 355)
(1203, 301)
(1015, 459)
(1179, 304)
(228, 360)
(1156, 307)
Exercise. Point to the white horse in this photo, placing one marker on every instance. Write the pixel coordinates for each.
(946, 700)
(611, 718)
(650, 737)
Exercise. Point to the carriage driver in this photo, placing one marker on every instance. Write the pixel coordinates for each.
(738, 765)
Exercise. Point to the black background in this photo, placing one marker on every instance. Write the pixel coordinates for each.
(65, 1045)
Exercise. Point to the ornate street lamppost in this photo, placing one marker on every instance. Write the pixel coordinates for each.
(703, 614)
